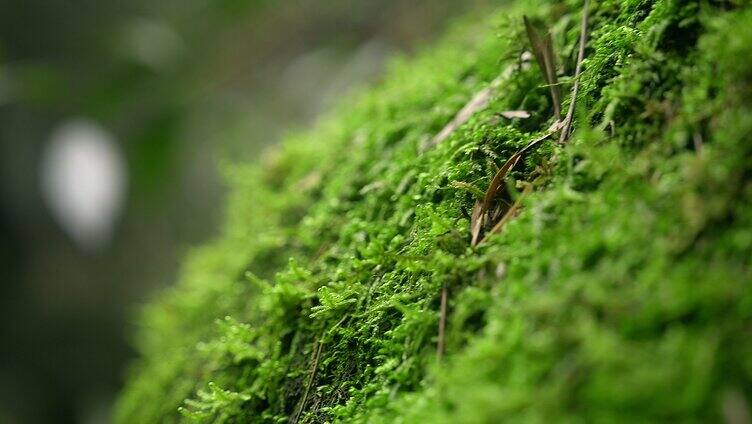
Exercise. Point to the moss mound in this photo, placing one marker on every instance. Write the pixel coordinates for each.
(620, 292)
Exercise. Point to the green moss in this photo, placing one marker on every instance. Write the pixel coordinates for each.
(620, 293)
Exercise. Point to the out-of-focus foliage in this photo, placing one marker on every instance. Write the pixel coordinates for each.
(177, 86)
(620, 293)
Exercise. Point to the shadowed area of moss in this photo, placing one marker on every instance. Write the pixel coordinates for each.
(621, 292)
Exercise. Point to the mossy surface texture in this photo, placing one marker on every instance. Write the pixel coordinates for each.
(620, 292)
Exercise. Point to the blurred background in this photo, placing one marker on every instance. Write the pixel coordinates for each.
(114, 116)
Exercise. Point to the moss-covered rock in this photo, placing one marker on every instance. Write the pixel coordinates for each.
(621, 292)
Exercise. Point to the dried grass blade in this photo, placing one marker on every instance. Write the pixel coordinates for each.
(497, 183)
(578, 70)
(553, 82)
(481, 208)
(511, 213)
(544, 54)
(498, 180)
(536, 43)
(477, 219)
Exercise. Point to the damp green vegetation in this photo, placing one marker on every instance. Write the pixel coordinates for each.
(622, 291)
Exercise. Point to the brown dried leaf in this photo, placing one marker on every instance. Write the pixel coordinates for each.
(497, 183)
(510, 213)
(481, 210)
(476, 222)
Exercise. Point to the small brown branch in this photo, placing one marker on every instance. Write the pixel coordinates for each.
(578, 70)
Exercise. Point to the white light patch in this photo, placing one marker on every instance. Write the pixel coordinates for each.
(83, 180)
